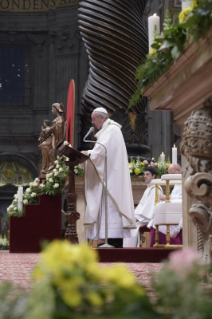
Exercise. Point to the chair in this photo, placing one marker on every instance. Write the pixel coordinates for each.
(167, 213)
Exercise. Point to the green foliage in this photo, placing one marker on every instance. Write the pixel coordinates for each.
(78, 171)
(168, 48)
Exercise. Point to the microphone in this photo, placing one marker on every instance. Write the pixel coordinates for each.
(90, 130)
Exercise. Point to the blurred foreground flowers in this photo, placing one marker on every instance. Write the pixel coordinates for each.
(69, 283)
(183, 287)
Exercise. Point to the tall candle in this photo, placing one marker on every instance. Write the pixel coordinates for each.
(174, 154)
(20, 198)
(162, 157)
(185, 4)
(152, 21)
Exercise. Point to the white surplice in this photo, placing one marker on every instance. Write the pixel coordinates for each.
(176, 194)
(144, 212)
(121, 217)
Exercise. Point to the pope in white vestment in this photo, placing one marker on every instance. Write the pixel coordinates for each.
(121, 217)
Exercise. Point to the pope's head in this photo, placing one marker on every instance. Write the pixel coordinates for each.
(98, 117)
(174, 169)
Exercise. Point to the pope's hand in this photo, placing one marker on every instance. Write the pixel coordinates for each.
(162, 197)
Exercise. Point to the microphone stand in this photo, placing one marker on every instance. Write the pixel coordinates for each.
(106, 245)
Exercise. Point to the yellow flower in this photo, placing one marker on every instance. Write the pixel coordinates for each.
(94, 299)
(167, 165)
(137, 171)
(193, 4)
(142, 164)
(184, 14)
(120, 275)
(152, 51)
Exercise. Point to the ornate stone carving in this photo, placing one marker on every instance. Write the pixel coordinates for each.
(196, 146)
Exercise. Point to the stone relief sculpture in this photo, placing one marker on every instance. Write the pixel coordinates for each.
(52, 137)
(196, 146)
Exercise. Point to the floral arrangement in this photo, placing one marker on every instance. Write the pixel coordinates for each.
(55, 181)
(183, 286)
(68, 283)
(136, 167)
(52, 185)
(194, 23)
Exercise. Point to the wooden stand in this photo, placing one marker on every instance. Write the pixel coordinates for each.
(72, 215)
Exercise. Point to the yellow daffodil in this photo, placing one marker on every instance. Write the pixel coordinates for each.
(137, 171)
(184, 14)
(95, 299)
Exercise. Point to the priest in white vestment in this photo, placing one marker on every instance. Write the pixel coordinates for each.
(121, 217)
(144, 212)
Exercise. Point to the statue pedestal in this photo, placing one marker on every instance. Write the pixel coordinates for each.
(39, 223)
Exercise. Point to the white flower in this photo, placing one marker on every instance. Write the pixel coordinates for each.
(60, 169)
(51, 180)
(54, 170)
(31, 184)
(131, 171)
(66, 143)
(33, 195)
(56, 173)
(57, 166)
(8, 209)
(37, 179)
(15, 208)
(16, 196)
(11, 206)
(75, 171)
(25, 201)
(28, 190)
(56, 162)
(42, 185)
(56, 185)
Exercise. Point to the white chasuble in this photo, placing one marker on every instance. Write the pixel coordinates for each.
(144, 212)
(121, 217)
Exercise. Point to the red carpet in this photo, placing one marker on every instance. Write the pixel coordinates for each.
(16, 268)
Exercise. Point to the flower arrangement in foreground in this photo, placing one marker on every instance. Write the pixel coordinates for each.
(194, 23)
(69, 283)
(136, 167)
(52, 185)
(183, 286)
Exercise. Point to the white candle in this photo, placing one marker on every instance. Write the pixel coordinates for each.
(185, 4)
(20, 198)
(174, 154)
(152, 21)
(162, 157)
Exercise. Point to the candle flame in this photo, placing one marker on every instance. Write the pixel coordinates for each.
(155, 14)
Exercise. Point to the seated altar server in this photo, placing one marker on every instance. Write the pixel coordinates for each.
(175, 230)
(144, 212)
(121, 217)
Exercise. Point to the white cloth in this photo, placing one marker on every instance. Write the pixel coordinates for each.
(176, 194)
(121, 216)
(144, 212)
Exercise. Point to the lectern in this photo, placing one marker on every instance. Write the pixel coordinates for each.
(75, 158)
